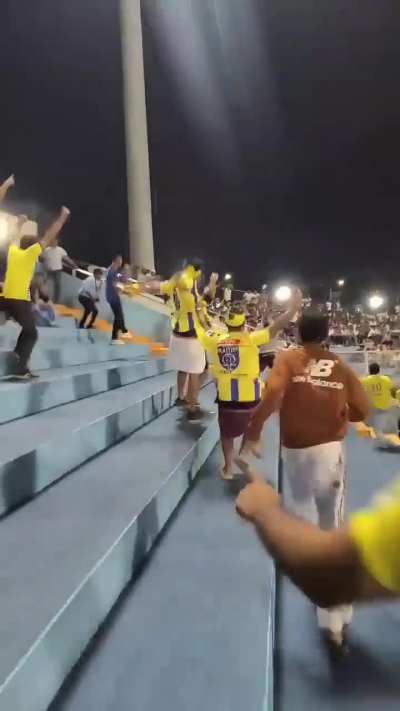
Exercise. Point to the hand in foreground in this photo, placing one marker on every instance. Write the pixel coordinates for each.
(257, 497)
(10, 182)
(65, 212)
(214, 278)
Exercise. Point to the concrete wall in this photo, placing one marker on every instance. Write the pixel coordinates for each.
(146, 316)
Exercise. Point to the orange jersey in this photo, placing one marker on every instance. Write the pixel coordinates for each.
(317, 394)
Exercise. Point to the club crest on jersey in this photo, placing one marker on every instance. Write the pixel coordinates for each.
(229, 357)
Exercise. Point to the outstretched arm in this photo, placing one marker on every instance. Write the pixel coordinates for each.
(294, 306)
(55, 228)
(4, 188)
(325, 565)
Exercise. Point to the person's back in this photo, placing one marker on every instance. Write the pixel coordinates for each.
(236, 365)
(20, 268)
(315, 406)
(379, 389)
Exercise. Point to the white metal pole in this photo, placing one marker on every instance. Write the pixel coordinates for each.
(137, 152)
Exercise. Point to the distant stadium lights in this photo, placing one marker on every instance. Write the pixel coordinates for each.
(264, 287)
(376, 301)
(283, 293)
(228, 277)
(340, 282)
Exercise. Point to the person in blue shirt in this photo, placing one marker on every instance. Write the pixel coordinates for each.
(114, 300)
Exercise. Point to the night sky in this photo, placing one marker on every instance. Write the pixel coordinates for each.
(274, 131)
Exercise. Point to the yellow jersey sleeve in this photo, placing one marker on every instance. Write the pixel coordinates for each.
(167, 287)
(261, 337)
(376, 533)
(208, 339)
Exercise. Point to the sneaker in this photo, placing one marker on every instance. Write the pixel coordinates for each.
(127, 336)
(117, 342)
(25, 375)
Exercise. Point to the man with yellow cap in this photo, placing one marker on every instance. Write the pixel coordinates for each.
(236, 369)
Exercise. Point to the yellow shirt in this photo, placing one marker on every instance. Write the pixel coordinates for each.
(376, 534)
(379, 390)
(20, 268)
(183, 289)
(236, 365)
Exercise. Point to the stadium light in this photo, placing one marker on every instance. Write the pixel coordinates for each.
(340, 283)
(264, 287)
(283, 293)
(376, 301)
(228, 277)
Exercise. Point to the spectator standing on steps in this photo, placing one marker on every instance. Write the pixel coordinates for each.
(119, 330)
(54, 258)
(21, 261)
(89, 296)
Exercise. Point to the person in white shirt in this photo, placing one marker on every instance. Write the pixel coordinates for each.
(89, 295)
(54, 258)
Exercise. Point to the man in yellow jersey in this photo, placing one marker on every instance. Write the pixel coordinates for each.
(186, 354)
(236, 368)
(381, 392)
(357, 563)
(21, 261)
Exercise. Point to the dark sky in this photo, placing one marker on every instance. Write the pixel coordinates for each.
(274, 130)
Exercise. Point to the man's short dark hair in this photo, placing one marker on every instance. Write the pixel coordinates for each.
(313, 327)
(374, 368)
(27, 241)
(97, 272)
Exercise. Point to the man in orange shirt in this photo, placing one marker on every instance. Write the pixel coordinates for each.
(317, 394)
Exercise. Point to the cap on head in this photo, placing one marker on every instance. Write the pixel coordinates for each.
(313, 327)
(236, 317)
(196, 264)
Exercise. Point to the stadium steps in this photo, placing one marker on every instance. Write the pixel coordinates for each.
(66, 555)
(52, 355)
(39, 449)
(207, 595)
(59, 386)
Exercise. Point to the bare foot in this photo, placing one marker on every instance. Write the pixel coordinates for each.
(226, 474)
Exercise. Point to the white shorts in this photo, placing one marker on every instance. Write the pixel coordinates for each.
(316, 477)
(186, 355)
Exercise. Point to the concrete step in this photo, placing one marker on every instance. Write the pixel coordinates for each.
(55, 335)
(66, 557)
(38, 450)
(62, 385)
(48, 355)
(211, 640)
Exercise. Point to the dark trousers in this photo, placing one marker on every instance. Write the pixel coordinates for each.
(21, 312)
(90, 309)
(119, 323)
(55, 279)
